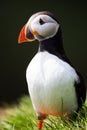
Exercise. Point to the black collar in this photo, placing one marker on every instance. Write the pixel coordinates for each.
(54, 46)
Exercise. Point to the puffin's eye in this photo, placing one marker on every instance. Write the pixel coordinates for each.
(41, 21)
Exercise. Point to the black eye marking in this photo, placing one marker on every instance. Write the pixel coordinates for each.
(41, 21)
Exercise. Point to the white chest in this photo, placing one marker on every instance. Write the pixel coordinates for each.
(51, 84)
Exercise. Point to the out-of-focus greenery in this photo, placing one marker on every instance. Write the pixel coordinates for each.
(22, 117)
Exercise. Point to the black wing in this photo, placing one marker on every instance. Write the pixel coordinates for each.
(80, 90)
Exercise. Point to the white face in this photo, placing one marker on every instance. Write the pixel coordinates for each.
(44, 25)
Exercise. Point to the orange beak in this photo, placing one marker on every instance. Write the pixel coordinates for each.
(26, 35)
(22, 38)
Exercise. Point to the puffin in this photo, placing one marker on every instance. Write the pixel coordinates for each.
(56, 88)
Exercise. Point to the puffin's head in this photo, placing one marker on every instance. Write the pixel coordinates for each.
(40, 26)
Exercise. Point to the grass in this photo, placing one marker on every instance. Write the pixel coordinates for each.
(22, 117)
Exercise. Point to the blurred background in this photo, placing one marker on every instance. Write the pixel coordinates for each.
(15, 58)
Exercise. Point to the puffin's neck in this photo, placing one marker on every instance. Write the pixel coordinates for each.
(54, 46)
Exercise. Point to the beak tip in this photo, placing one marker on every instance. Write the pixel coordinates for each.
(20, 39)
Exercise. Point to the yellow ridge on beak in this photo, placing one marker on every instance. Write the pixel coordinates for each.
(34, 32)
